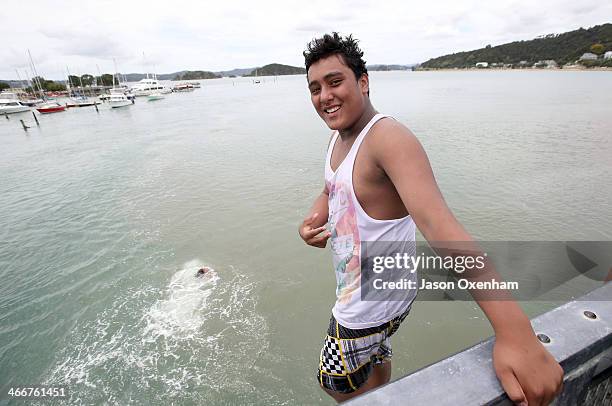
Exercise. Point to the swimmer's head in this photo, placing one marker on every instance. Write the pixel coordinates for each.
(202, 271)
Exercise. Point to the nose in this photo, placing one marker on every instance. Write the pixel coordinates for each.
(326, 94)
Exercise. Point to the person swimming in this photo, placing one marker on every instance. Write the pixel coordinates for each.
(202, 271)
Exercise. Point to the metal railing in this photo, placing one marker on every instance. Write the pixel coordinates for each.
(578, 334)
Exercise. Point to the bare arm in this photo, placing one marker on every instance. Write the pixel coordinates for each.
(525, 369)
(312, 230)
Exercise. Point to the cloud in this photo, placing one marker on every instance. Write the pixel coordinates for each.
(224, 35)
(84, 43)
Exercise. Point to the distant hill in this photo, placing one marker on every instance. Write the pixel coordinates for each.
(562, 48)
(235, 72)
(197, 74)
(389, 67)
(276, 69)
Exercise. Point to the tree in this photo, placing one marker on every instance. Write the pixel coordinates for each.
(53, 86)
(38, 82)
(4, 86)
(105, 80)
(47, 85)
(598, 49)
(74, 81)
(87, 79)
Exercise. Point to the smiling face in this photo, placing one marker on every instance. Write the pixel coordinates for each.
(336, 95)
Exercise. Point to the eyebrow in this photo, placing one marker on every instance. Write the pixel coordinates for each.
(326, 77)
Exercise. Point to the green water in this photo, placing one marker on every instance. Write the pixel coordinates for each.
(105, 217)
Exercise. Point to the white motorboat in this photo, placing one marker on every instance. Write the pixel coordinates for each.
(155, 96)
(119, 99)
(10, 103)
(149, 86)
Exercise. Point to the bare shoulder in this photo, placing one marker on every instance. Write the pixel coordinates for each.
(392, 138)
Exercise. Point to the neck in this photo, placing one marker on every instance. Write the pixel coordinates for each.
(355, 129)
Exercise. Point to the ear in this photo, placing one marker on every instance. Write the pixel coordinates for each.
(364, 83)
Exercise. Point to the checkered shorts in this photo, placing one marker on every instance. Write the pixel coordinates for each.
(347, 356)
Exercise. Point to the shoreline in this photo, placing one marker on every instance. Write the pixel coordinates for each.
(574, 69)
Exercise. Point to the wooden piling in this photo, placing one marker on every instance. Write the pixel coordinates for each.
(25, 127)
(36, 119)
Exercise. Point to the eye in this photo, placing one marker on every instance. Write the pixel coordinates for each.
(315, 90)
(335, 82)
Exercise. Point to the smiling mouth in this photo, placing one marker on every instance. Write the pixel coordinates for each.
(331, 110)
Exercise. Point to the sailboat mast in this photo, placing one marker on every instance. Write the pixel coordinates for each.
(19, 77)
(36, 78)
(69, 82)
(114, 74)
(144, 64)
(100, 76)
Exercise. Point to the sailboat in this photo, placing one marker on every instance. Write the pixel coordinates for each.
(77, 99)
(118, 98)
(48, 106)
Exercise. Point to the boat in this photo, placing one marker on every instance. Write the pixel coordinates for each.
(10, 103)
(32, 102)
(155, 96)
(183, 87)
(118, 98)
(77, 99)
(51, 107)
(81, 101)
(149, 86)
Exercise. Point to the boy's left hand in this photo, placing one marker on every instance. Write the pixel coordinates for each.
(526, 370)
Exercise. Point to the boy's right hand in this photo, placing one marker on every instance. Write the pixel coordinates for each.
(312, 236)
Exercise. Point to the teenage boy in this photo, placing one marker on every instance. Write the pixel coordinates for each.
(379, 186)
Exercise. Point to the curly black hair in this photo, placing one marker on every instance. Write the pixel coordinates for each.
(335, 44)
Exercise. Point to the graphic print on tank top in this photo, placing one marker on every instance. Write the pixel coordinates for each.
(344, 240)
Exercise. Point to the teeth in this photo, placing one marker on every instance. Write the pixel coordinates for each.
(332, 110)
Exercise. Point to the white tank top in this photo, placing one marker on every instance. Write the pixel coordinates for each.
(350, 225)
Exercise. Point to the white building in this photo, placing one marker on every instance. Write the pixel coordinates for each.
(588, 57)
(608, 55)
(482, 64)
(548, 63)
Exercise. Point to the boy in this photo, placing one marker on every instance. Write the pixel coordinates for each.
(379, 186)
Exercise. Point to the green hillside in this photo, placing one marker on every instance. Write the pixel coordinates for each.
(562, 48)
(196, 74)
(276, 69)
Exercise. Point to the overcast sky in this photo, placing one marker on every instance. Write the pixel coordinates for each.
(221, 35)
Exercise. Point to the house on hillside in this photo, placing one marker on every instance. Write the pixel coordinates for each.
(482, 65)
(587, 56)
(608, 55)
(547, 64)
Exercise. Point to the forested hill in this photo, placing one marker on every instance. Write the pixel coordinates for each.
(275, 69)
(562, 48)
(198, 74)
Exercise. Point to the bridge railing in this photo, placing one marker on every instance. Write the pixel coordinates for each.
(578, 334)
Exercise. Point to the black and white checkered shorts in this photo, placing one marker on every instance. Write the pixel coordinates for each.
(348, 355)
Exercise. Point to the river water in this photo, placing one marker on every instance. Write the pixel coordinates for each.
(105, 217)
